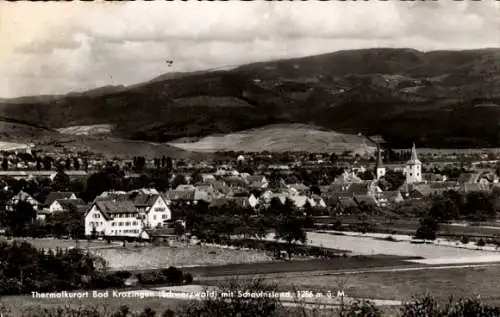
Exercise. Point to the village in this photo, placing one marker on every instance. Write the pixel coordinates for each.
(147, 207)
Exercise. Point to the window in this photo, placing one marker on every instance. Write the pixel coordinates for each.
(134, 223)
(120, 223)
(127, 223)
(411, 174)
(154, 217)
(113, 224)
(160, 209)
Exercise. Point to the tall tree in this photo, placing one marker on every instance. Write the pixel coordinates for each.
(61, 180)
(76, 163)
(5, 164)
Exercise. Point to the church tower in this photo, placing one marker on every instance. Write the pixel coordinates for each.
(379, 167)
(413, 168)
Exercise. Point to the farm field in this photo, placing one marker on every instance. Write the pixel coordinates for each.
(152, 257)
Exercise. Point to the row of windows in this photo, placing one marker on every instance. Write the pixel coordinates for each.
(124, 231)
(127, 223)
(162, 217)
(95, 223)
(97, 216)
(160, 209)
(124, 215)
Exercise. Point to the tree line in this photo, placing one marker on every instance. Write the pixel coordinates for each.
(25, 269)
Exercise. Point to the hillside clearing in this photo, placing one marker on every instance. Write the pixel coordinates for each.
(280, 138)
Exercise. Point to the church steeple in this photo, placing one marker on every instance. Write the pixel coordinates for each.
(380, 163)
(379, 168)
(413, 168)
(414, 156)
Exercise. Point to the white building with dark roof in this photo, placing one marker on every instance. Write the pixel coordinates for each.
(126, 215)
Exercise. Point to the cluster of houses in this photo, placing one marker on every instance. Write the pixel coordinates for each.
(146, 213)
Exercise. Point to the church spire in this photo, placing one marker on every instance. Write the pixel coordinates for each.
(414, 156)
(379, 158)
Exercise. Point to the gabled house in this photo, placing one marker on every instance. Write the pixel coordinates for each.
(22, 196)
(234, 181)
(65, 205)
(53, 196)
(188, 197)
(318, 201)
(389, 198)
(348, 177)
(364, 189)
(218, 185)
(113, 218)
(127, 215)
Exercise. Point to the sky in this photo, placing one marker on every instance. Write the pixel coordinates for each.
(55, 48)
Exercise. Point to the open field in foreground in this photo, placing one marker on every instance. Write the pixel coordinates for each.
(19, 304)
(403, 285)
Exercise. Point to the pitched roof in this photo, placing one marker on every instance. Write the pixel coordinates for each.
(475, 187)
(185, 187)
(161, 231)
(53, 196)
(111, 207)
(255, 178)
(218, 185)
(391, 194)
(142, 200)
(186, 195)
(67, 203)
(22, 195)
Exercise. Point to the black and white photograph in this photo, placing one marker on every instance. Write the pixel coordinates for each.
(250, 158)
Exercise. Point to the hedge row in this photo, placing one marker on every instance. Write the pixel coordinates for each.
(277, 247)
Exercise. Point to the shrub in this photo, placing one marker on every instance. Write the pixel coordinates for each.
(419, 307)
(481, 243)
(188, 278)
(361, 309)
(173, 275)
(464, 240)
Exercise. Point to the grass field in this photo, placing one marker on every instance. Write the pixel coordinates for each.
(280, 138)
(185, 255)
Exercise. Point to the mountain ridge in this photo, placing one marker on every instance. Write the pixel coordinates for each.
(404, 95)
